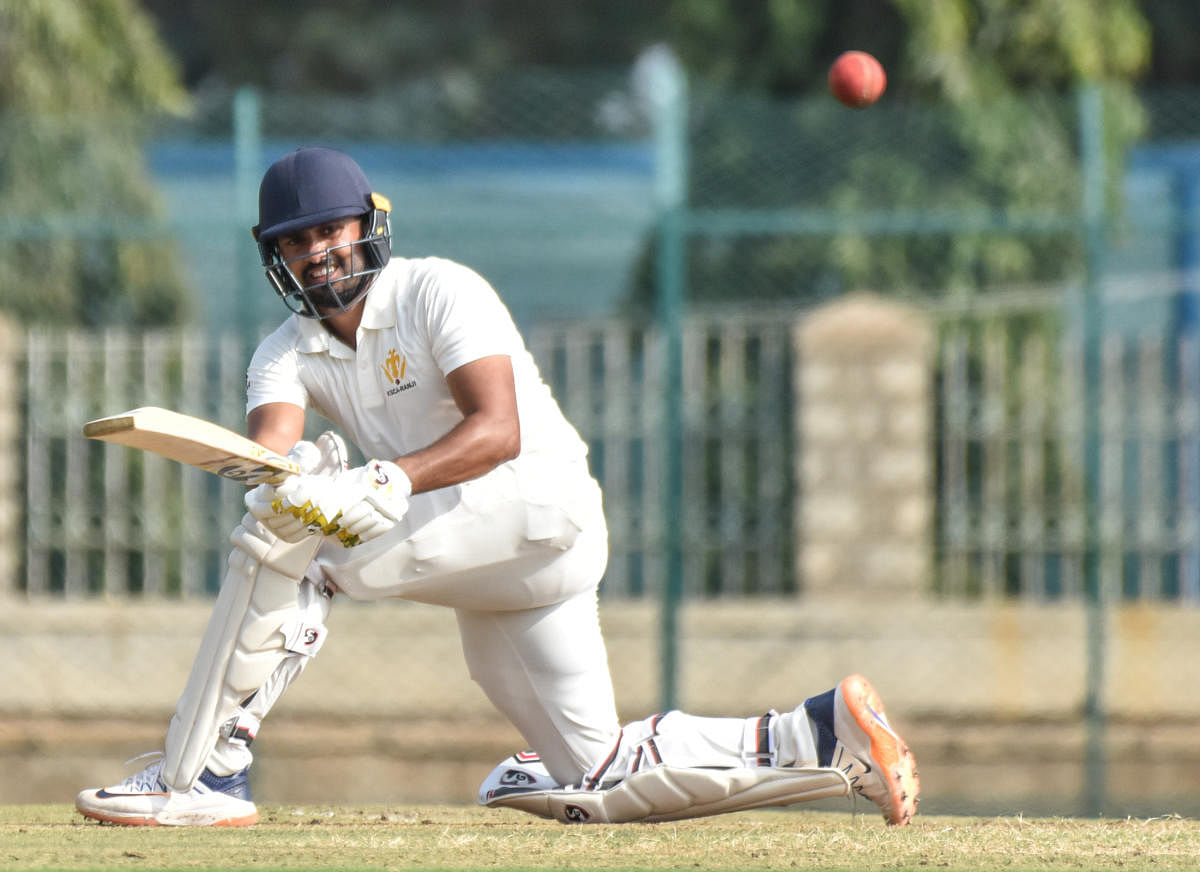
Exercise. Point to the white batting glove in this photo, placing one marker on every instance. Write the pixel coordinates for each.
(327, 457)
(356, 505)
(334, 457)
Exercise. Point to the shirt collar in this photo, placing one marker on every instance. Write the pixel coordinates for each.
(377, 315)
(313, 337)
(378, 310)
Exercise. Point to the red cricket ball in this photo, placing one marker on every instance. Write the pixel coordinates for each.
(857, 79)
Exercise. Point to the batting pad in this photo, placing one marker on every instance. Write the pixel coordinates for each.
(258, 621)
(669, 793)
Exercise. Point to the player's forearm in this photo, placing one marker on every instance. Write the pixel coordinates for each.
(473, 448)
(278, 426)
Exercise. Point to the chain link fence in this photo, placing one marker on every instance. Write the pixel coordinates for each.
(551, 186)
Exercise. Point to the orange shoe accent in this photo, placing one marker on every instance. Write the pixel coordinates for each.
(247, 821)
(888, 751)
(119, 821)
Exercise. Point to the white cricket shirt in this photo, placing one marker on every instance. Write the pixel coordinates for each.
(423, 318)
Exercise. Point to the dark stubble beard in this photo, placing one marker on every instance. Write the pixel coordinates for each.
(326, 299)
(332, 296)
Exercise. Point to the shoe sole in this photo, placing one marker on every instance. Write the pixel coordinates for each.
(176, 820)
(889, 752)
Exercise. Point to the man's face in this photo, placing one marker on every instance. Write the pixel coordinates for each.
(321, 258)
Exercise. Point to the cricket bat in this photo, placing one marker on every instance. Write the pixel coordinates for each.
(195, 442)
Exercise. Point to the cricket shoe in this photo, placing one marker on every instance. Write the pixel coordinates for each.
(144, 800)
(854, 735)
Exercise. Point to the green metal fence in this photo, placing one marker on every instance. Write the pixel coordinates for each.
(1008, 426)
(590, 200)
(630, 223)
(104, 520)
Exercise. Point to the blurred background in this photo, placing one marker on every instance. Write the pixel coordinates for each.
(911, 390)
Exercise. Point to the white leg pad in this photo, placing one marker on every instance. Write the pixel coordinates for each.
(259, 620)
(303, 638)
(667, 793)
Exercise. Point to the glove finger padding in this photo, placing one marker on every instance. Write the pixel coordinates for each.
(356, 505)
(365, 521)
(287, 528)
(311, 499)
(307, 455)
(263, 502)
(333, 455)
(327, 458)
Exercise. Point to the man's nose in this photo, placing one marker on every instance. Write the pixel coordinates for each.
(311, 249)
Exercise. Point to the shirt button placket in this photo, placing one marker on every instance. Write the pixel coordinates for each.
(371, 387)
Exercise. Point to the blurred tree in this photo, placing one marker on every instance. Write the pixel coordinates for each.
(79, 82)
(996, 81)
(781, 46)
(1173, 27)
(996, 135)
(364, 46)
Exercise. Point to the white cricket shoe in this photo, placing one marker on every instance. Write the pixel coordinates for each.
(143, 800)
(855, 737)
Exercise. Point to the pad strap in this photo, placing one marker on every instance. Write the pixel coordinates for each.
(668, 793)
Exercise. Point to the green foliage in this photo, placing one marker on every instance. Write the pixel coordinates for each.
(979, 126)
(782, 47)
(367, 47)
(80, 84)
(972, 52)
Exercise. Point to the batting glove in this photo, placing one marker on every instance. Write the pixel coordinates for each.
(356, 505)
(326, 457)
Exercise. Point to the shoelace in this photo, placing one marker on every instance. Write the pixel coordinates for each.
(146, 780)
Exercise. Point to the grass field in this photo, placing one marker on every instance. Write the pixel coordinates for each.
(44, 837)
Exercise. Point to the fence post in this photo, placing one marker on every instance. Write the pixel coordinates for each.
(247, 158)
(11, 492)
(668, 93)
(1094, 175)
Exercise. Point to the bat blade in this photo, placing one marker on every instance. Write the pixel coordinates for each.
(193, 441)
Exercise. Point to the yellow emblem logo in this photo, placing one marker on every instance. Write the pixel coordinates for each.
(394, 366)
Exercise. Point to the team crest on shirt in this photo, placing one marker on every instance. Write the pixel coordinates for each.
(395, 370)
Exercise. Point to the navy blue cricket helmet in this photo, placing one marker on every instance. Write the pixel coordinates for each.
(308, 187)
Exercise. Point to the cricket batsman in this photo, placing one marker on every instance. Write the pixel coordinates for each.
(477, 498)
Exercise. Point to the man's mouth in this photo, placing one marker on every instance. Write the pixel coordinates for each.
(321, 273)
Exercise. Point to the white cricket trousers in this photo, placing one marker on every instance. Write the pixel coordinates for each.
(518, 555)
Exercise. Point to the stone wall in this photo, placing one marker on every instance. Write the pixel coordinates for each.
(989, 696)
(863, 436)
(398, 660)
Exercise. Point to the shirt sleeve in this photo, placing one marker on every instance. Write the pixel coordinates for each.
(465, 318)
(274, 373)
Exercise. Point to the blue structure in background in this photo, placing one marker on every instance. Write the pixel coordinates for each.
(1177, 170)
(1179, 167)
(557, 228)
